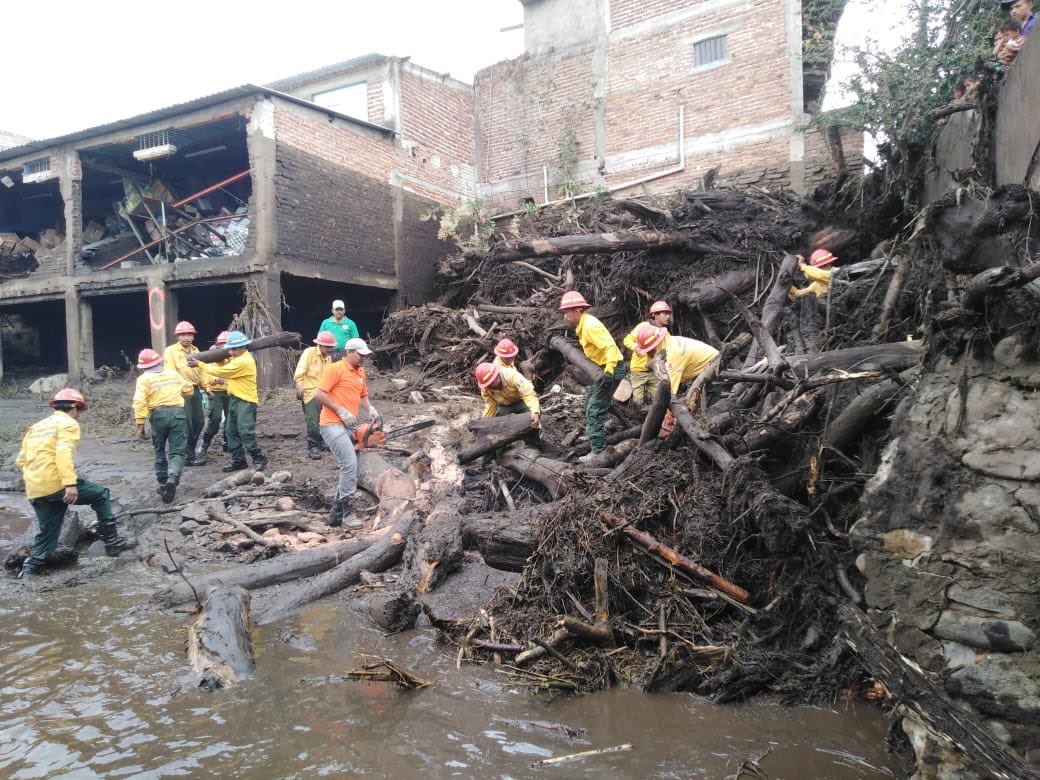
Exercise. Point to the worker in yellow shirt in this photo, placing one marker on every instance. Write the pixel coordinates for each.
(240, 373)
(176, 357)
(47, 462)
(216, 389)
(599, 347)
(506, 391)
(159, 398)
(816, 272)
(313, 361)
(505, 353)
(644, 382)
(684, 358)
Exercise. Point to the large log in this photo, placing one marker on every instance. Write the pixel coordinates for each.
(925, 702)
(283, 339)
(896, 356)
(494, 433)
(220, 651)
(531, 464)
(594, 243)
(283, 568)
(505, 539)
(379, 557)
(700, 437)
(394, 489)
(773, 308)
(845, 429)
(572, 354)
(713, 294)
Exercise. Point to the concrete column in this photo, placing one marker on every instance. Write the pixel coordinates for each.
(74, 336)
(271, 368)
(262, 161)
(162, 313)
(1, 356)
(71, 186)
(796, 94)
(85, 310)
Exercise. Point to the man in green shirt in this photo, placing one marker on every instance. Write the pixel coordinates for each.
(340, 326)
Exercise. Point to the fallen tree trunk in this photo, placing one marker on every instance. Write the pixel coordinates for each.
(773, 308)
(924, 701)
(505, 539)
(595, 243)
(712, 295)
(700, 437)
(572, 354)
(283, 339)
(379, 557)
(286, 567)
(394, 489)
(494, 433)
(531, 464)
(220, 651)
(896, 356)
(797, 414)
(846, 428)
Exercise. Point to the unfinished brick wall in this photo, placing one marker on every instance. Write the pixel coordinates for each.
(436, 125)
(626, 13)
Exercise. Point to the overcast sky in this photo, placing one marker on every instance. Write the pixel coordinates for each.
(69, 66)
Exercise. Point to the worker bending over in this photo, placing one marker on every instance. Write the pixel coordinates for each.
(506, 391)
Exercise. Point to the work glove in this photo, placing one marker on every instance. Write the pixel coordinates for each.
(606, 381)
(373, 415)
(348, 419)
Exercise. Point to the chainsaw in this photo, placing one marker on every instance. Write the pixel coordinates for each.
(371, 434)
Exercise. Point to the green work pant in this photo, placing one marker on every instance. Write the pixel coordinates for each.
(644, 385)
(241, 430)
(597, 404)
(517, 407)
(218, 406)
(50, 514)
(311, 414)
(169, 426)
(196, 418)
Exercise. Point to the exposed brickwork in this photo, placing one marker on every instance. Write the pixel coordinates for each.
(418, 246)
(624, 13)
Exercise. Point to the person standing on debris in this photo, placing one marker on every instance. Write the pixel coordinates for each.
(216, 388)
(505, 353)
(177, 357)
(599, 347)
(47, 462)
(313, 361)
(644, 383)
(816, 272)
(240, 372)
(343, 393)
(506, 391)
(340, 326)
(159, 398)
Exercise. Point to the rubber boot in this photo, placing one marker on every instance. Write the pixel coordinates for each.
(169, 491)
(259, 463)
(195, 460)
(28, 569)
(114, 543)
(314, 453)
(340, 509)
(235, 465)
(205, 445)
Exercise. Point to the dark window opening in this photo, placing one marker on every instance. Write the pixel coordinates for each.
(33, 338)
(309, 301)
(120, 324)
(210, 308)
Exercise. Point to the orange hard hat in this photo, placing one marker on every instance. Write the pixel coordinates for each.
(325, 339)
(572, 299)
(148, 358)
(184, 327)
(649, 338)
(68, 395)
(660, 307)
(821, 257)
(486, 374)
(222, 337)
(507, 349)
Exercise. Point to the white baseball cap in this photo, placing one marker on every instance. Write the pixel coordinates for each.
(357, 345)
(338, 304)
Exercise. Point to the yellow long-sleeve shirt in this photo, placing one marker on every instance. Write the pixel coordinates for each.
(597, 343)
(638, 363)
(308, 371)
(47, 456)
(158, 388)
(240, 373)
(176, 357)
(686, 358)
(515, 387)
(819, 282)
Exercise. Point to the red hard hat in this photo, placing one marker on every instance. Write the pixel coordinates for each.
(821, 257)
(486, 374)
(573, 299)
(506, 349)
(222, 338)
(648, 338)
(148, 358)
(184, 327)
(660, 307)
(69, 395)
(325, 339)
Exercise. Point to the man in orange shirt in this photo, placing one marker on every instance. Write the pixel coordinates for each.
(343, 393)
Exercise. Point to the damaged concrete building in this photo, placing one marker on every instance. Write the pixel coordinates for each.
(278, 199)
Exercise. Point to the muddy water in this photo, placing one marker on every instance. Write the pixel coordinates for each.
(94, 684)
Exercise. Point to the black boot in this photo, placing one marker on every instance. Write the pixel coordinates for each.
(195, 460)
(169, 490)
(339, 512)
(114, 543)
(314, 452)
(28, 568)
(259, 462)
(205, 445)
(160, 488)
(235, 465)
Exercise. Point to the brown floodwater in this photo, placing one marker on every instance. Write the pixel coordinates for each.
(95, 684)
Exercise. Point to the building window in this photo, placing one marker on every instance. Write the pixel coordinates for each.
(37, 166)
(352, 100)
(710, 52)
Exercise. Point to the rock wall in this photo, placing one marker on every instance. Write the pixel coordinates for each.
(949, 539)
